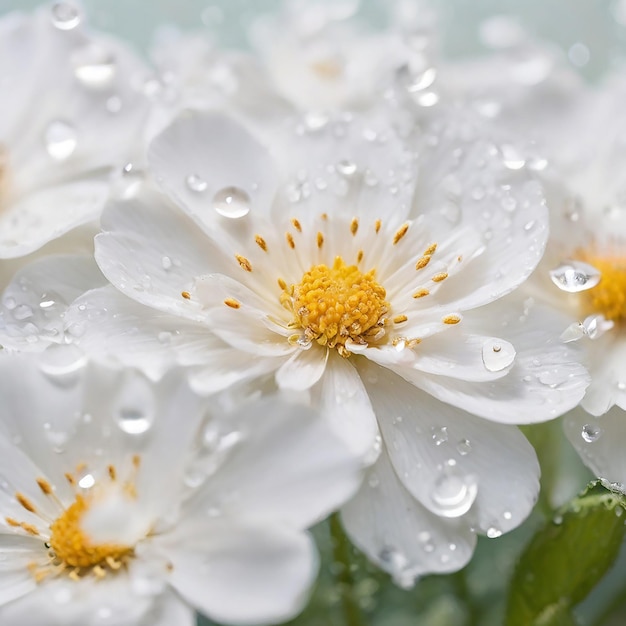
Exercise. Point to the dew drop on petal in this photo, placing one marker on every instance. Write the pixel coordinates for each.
(497, 354)
(575, 276)
(440, 435)
(65, 16)
(134, 410)
(196, 183)
(595, 326)
(590, 433)
(347, 168)
(512, 158)
(94, 66)
(231, 202)
(493, 532)
(87, 481)
(453, 494)
(464, 447)
(573, 332)
(60, 140)
(133, 420)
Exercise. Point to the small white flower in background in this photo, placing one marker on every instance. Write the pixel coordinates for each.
(71, 113)
(124, 504)
(369, 287)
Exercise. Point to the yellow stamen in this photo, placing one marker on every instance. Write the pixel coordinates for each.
(377, 225)
(244, 263)
(437, 278)
(401, 232)
(186, 295)
(296, 224)
(232, 303)
(320, 240)
(422, 262)
(420, 293)
(354, 226)
(261, 242)
(399, 319)
(290, 241)
(25, 502)
(608, 297)
(451, 319)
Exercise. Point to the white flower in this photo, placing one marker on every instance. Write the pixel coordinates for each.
(70, 113)
(364, 289)
(123, 504)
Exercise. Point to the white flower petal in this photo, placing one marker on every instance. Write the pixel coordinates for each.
(599, 441)
(15, 578)
(287, 466)
(399, 534)
(29, 223)
(152, 252)
(344, 402)
(217, 153)
(244, 574)
(456, 464)
(303, 369)
(34, 304)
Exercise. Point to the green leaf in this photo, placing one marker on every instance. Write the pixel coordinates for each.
(566, 559)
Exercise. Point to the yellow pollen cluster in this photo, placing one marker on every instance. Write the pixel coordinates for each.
(608, 297)
(71, 546)
(334, 304)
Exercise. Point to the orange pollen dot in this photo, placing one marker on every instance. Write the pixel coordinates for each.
(296, 225)
(232, 303)
(401, 232)
(261, 242)
(451, 319)
(354, 226)
(320, 240)
(420, 293)
(290, 241)
(244, 263)
(73, 548)
(608, 297)
(437, 278)
(334, 304)
(184, 294)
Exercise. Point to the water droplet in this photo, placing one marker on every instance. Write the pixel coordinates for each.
(65, 16)
(396, 563)
(134, 410)
(231, 202)
(196, 183)
(590, 433)
(133, 420)
(557, 519)
(440, 435)
(60, 140)
(166, 263)
(575, 276)
(594, 326)
(87, 481)
(194, 477)
(229, 440)
(512, 158)
(507, 515)
(94, 66)
(22, 312)
(453, 494)
(464, 447)
(497, 354)
(493, 532)
(315, 121)
(9, 302)
(62, 363)
(346, 167)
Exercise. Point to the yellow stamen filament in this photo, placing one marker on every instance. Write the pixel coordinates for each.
(401, 232)
(338, 303)
(354, 226)
(261, 242)
(244, 263)
(451, 319)
(232, 303)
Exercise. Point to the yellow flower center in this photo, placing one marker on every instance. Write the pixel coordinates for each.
(608, 297)
(71, 546)
(338, 303)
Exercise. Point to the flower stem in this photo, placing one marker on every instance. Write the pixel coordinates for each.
(344, 577)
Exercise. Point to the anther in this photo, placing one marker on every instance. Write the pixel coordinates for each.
(420, 293)
(422, 262)
(400, 233)
(186, 295)
(320, 240)
(377, 225)
(244, 263)
(451, 319)
(232, 303)
(296, 224)
(25, 502)
(399, 319)
(45, 486)
(261, 242)
(437, 278)
(290, 241)
(354, 226)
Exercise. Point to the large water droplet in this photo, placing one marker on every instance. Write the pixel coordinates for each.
(590, 433)
(575, 276)
(231, 202)
(62, 363)
(440, 435)
(512, 157)
(94, 66)
(593, 326)
(65, 16)
(497, 354)
(453, 494)
(396, 563)
(60, 140)
(87, 481)
(135, 408)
